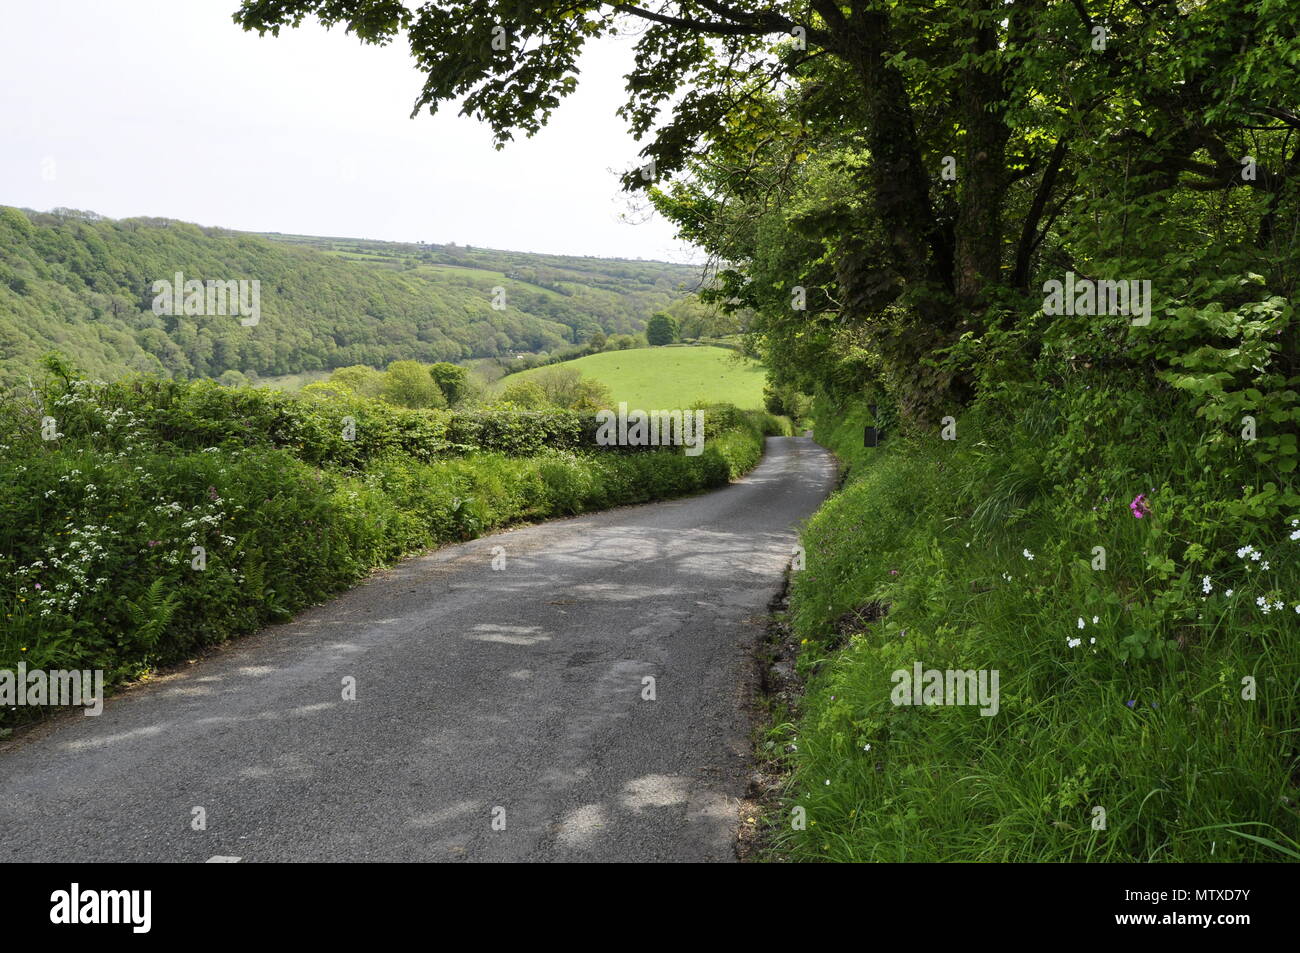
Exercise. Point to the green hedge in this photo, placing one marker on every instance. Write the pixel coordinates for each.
(98, 528)
(200, 414)
(194, 415)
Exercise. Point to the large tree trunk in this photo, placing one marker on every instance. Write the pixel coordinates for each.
(918, 249)
(983, 181)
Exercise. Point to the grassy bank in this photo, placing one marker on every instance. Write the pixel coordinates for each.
(1148, 700)
(167, 516)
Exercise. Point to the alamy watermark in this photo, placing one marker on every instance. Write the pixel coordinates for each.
(192, 298)
(946, 687)
(1088, 297)
(60, 688)
(656, 428)
(75, 905)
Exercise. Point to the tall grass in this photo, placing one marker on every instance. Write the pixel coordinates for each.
(1144, 719)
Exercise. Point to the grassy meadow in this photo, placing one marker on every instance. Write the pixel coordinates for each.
(666, 377)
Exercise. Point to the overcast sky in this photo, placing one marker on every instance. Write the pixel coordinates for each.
(165, 107)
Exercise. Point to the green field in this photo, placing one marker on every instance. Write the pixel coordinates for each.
(666, 377)
(291, 382)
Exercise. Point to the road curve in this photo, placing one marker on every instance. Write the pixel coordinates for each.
(484, 699)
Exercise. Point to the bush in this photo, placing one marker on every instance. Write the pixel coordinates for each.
(410, 384)
(661, 329)
(452, 380)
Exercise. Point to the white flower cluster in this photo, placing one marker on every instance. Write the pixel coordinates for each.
(1074, 643)
(201, 520)
(1267, 606)
(1251, 556)
(82, 396)
(67, 580)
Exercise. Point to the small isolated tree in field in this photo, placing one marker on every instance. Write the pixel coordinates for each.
(661, 329)
(566, 387)
(452, 380)
(408, 384)
(360, 379)
(526, 394)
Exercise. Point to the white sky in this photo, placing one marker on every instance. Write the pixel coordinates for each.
(165, 107)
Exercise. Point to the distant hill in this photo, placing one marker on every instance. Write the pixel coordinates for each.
(82, 284)
(664, 378)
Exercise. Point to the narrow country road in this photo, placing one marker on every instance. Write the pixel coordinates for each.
(512, 695)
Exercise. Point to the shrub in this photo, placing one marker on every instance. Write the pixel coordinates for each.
(661, 329)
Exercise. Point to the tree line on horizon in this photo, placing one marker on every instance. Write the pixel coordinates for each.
(79, 284)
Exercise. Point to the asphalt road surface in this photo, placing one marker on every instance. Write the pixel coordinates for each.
(500, 714)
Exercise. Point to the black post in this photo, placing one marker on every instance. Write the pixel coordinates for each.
(873, 435)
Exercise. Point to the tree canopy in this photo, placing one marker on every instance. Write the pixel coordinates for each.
(898, 175)
(661, 329)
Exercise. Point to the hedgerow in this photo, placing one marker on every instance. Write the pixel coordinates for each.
(166, 516)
